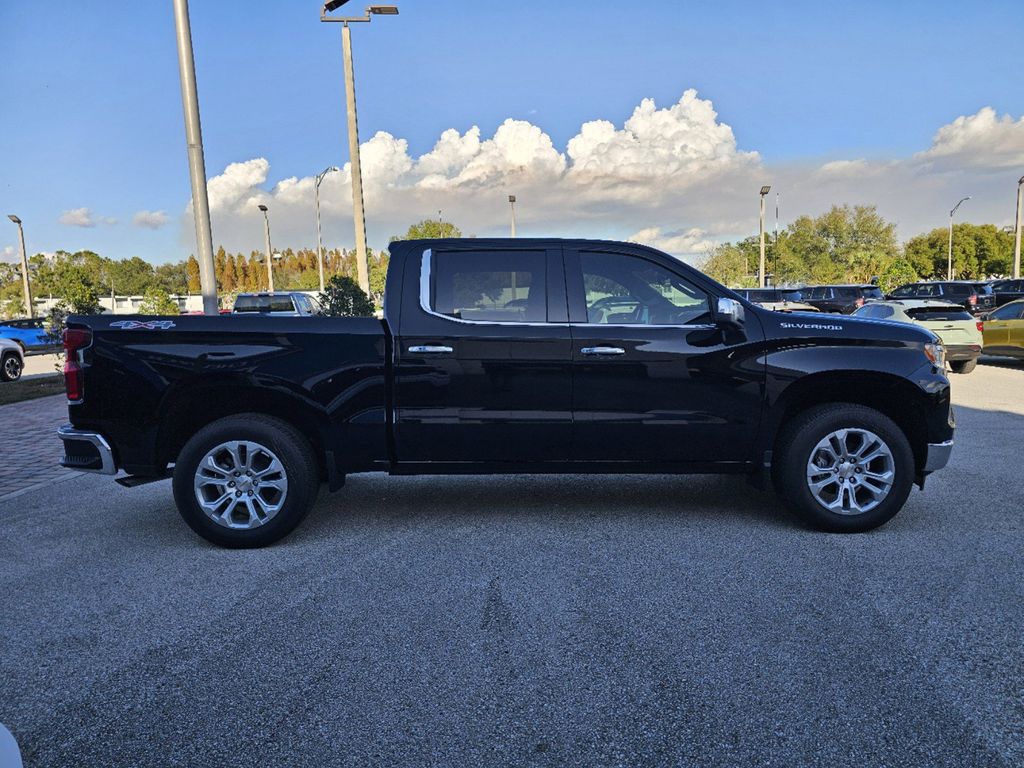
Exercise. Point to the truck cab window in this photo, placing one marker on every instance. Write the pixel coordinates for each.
(627, 290)
(490, 286)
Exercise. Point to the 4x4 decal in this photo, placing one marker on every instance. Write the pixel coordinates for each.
(148, 325)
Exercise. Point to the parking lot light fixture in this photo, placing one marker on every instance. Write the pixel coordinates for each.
(269, 252)
(512, 205)
(1016, 228)
(25, 287)
(358, 215)
(319, 240)
(760, 275)
(949, 265)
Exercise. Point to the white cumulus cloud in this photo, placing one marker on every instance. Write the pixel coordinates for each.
(150, 219)
(78, 217)
(981, 140)
(673, 176)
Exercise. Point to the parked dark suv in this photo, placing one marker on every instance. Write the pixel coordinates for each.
(977, 298)
(842, 299)
(1007, 291)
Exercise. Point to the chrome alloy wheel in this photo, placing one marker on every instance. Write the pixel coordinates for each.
(850, 471)
(241, 484)
(12, 367)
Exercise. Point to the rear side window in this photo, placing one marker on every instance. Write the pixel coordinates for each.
(938, 313)
(927, 290)
(904, 291)
(846, 293)
(264, 304)
(817, 293)
(871, 293)
(761, 296)
(954, 289)
(490, 286)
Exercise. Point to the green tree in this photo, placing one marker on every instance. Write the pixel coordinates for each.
(342, 297)
(979, 250)
(898, 272)
(158, 301)
(429, 229)
(730, 265)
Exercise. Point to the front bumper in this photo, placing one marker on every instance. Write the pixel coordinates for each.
(938, 456)
(86, 451)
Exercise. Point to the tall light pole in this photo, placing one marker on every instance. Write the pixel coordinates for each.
(775, 243)
(512, 204)
(269, 253)
(319, 240)
(764, 191)
(359, 218)
(1017, 229)
(27, 290)
(949, 265)
(196, 162)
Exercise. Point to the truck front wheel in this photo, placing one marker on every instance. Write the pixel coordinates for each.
(845, 468)
(245, 481)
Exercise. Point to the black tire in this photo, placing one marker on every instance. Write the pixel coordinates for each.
(11, 366)
(963, 366)
(793, 453)
(290, 448)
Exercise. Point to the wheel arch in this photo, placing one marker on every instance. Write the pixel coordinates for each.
(190, 411)
(894, 396)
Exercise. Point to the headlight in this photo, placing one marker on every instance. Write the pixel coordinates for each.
(936, 353)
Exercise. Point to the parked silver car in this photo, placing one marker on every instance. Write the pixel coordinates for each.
(12, 360)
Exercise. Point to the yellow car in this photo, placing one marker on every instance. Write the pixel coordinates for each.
(1003, 330)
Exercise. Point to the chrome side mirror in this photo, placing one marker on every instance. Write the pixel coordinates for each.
(730, 312)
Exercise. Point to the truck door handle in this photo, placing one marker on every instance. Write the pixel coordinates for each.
(603, 351)
(427, 349)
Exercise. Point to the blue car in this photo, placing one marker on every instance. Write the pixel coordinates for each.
(30, 335)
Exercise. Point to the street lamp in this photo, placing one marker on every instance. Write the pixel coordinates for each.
(269, 252)
(949, 265)
(512, 204)
(196, 161)
(26, 290)
(319, 241)
(764, 191)
(1016, 230)
(359, 217)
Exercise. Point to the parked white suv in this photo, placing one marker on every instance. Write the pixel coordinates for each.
(12, 360)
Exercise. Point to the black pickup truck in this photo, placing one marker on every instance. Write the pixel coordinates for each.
(509, 356)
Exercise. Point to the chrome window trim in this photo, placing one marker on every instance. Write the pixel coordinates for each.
(425, 306)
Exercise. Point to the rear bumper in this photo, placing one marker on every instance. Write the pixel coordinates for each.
(86, 451)
(938, 456)
(960, 352)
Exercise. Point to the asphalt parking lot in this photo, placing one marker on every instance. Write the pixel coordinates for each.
(528, 621)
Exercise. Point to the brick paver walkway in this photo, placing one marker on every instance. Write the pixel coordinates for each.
(30, 450)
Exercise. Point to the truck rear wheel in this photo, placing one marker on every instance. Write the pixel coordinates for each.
(245, 481)
(844, 468)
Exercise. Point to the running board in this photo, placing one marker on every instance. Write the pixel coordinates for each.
(133, 481)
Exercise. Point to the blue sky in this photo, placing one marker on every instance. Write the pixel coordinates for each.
(91, 114)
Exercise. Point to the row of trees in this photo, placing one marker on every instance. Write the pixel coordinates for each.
(79, 279)
(855, 244)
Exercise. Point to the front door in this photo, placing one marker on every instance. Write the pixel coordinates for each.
(655, 380)
(483, 358)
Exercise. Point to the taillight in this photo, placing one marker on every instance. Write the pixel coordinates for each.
(981, 326)
(75, 340)
(972, 299)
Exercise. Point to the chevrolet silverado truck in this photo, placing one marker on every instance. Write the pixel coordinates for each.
(509, 356)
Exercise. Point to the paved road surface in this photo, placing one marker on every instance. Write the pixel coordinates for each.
(528, 621)
(30, 449)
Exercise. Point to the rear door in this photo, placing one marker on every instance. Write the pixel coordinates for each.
(482, 357)
(655, 380)
(997, 327)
